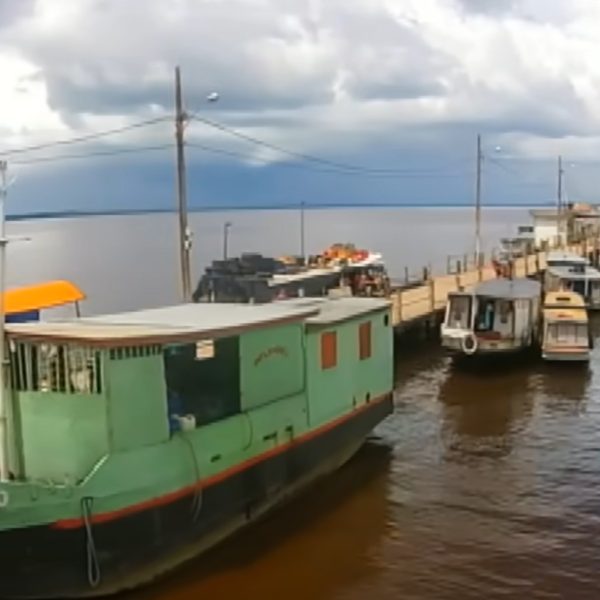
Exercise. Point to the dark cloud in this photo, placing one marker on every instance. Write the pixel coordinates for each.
(13, 10)
(489, 7)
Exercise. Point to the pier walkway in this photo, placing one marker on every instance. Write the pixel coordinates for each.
(423, 302)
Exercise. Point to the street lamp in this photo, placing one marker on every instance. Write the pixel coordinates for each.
(226, 227)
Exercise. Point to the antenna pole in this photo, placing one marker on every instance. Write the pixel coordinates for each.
(4, 476)
(302, 246)
(559, 199)
(478, 202)
(185, 241)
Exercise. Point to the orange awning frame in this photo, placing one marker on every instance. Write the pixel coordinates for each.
(39, 296)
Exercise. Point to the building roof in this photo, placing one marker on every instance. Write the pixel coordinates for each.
(510, 289)
(565, 272)
(185, 322)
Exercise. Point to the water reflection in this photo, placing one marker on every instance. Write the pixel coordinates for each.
(484, 410)
(319, 544)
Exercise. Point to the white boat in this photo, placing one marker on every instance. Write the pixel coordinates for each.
(566, 335)
(498, 316)
(562, 258)
(579, 278)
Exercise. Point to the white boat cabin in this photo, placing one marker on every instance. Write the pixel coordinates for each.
(501, 315)
(581, 279)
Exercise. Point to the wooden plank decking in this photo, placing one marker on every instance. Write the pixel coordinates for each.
(418, 303)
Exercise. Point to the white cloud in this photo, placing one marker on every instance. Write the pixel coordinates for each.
(320, 75)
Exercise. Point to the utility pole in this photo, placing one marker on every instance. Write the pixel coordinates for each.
(302, 248)
(478, 202)
(226, 239)
(559, 200)
(4, 467)
(185, 240)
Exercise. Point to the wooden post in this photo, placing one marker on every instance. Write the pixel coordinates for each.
(399, 306)
(406, 277)
(432, 294)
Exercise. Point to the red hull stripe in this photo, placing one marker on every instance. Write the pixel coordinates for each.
(214, 479)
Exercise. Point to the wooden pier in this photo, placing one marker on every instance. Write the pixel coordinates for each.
(424, 303)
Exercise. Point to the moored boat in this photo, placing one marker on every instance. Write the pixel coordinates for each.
(138, 440)
(579, 278)
(258, 279)
(566, 335)
(497, 317)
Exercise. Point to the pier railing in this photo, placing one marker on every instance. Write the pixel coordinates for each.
(409, 305)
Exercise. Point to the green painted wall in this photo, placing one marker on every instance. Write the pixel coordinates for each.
(333, 391)
(271, 364)
(137, 402)
(63, 435)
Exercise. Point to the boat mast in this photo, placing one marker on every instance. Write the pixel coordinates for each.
(3, 412)
(185, 240)
(478, 202)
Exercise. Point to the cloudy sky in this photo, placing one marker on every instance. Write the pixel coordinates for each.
(390, 94)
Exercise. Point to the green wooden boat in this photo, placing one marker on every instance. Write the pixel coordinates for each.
(136, 441)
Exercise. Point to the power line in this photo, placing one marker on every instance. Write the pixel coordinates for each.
(303, 156)
(83, 138)
(100, 153)
(391, 175)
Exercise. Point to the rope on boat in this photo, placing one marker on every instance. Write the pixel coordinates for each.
(198, 499)
(93, 565)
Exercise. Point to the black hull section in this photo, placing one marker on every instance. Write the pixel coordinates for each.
(44, 561)
(258, 291)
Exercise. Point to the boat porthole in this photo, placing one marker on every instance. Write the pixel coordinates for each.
(3, 499)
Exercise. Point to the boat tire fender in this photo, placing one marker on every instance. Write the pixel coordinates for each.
(469, 344)
(4, 498)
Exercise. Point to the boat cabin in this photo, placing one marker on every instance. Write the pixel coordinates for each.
(497, 316)
(243, 377)
(579, 278)
(566, 335)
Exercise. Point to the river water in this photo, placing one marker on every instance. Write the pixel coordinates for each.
(482, 485)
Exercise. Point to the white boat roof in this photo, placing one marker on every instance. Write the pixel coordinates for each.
(339, 309)
(509, 289)
(566, 272)
(187, 322)
(562, 256)
(280, 278)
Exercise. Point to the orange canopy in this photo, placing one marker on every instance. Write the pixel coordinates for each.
(41, 295)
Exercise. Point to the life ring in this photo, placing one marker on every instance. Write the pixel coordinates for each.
(468, 344)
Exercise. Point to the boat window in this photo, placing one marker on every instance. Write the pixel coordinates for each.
(504, 310)
(55, 368)
(328, 350)
(486, 311)
(459, 313)
(567, 333)
(364, 340)
(203, 381)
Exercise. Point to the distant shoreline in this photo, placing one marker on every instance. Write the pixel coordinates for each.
(72, 214)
